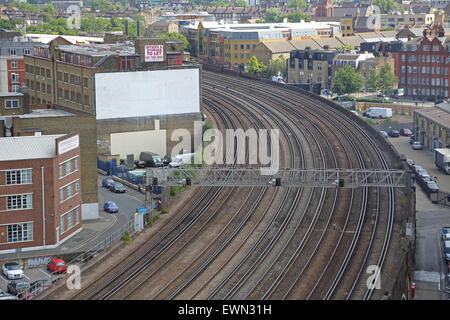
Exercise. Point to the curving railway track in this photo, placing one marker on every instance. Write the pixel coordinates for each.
(271, 243)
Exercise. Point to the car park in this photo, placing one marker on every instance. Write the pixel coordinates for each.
(57, 266)
(111, 207)
(106, 182)
(18, 287)
(394, 133)
(405, 132)
(433, 187)
(117, 187)
(12, 270)
(384, 134)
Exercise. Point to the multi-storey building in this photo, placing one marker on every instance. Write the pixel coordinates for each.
(12, 72)
(432, 127)
(40, 194)
(421, 66)
(311, 69)
(232, 44)
(412, 19)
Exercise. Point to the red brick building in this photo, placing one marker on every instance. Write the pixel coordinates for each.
(16, 74)
(421, 66)
(40, 194)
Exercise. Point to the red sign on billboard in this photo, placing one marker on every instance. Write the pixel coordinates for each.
(154, 53)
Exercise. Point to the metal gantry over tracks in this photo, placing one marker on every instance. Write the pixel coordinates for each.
(289, 177)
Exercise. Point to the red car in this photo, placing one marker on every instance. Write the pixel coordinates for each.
(57, 266)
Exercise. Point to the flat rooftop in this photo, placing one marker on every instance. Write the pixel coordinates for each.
(28, 147)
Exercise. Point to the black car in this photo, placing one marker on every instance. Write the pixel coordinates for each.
(394, 133)
(117, 187)
(18, 288)
(106, 182)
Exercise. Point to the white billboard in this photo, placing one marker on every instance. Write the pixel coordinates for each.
(154, 53)
(147, 93)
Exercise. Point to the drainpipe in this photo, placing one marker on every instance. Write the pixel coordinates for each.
(43, 206)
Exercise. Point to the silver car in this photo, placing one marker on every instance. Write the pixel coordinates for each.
(447, 250)
(416, 145)
(433, 188)
(383, 134)
(12, 270)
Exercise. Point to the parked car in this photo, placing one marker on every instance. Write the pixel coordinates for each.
(106, 182)
(405, 132)
(12, 270)
(111, 207)
(18, 287)
(424, 175)
(117, 187)
(6, 296)
(417, 168)
(384, 134)
(445, 231)
(432, 186)
(416, 145)
(410, 162)
(447, 250)
(394, 133)
(411, 139)
(151, 159)
(57, 266)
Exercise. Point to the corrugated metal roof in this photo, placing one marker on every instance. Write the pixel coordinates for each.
(29, 147)
(438, 115)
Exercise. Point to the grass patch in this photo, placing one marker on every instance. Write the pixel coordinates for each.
(370, 121)
(126, 237)
(174, 190)
(390, 121)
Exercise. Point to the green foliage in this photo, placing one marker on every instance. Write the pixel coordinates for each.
(174, 190)
(126, 237)
(345, 47)
(347, 81)
(177, 36)
(151, 219)
(385, 5)
(11, 24)
(207, 125)
(297, 4)
(255, 66)
(242, 3)
(390, 121)
(273, 15)
(164, 210)
(276, 67)
(382, 82)
(297, 16)
(102, 5)
(24, 6)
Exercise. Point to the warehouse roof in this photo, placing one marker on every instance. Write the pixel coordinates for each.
(279, 46)
(28, 147)
(439, 114)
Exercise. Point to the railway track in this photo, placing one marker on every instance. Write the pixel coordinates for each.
(270, 243)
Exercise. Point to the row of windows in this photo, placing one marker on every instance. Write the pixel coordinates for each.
(425, 70)
(72, 96)
(68, 167)
(425, 81)
(69, 191)
(426, 58)
(69, 219)
(38, 86)
(17, 52)
(427, 92)
(21, 176)
(73, 79)
(38, 70)
(19, 202)
(20, 232)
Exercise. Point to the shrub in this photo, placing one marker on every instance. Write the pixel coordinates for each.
(126, 237)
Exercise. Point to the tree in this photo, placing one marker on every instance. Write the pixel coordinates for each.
(385, 5)
(242, 3)
(255, 66)
(297, 16)
(276, 67)
(382, 82)
(347, 81)
(371, 83)
(273, 15)
(345, 47)
(177, 36)
(297, 4)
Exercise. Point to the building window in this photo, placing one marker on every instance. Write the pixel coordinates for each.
(14, 64)
(19, 202)
(12, 104)
(86, 100)
(61, 224)
(15, 88)
(70, 217)
(49, 89)
(86, 82)
(66, 77)
(27, 51)
(20, 232)
(12, 52)
(59, 76)
(15, 78)
(22, 176)
(69, 191)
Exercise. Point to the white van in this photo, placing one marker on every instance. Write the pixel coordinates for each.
(376, 112)
(181, 159)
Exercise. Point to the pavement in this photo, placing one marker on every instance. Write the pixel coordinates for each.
(430, 266)
(94, 231)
